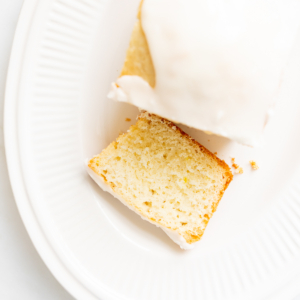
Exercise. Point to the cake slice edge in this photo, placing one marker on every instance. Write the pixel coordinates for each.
(173, 235)
(179, 239)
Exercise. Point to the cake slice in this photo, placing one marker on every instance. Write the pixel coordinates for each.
(163, 175)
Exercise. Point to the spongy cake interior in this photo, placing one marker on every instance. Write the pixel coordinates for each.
(164, 175)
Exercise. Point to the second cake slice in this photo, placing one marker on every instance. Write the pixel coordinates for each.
(165, 176)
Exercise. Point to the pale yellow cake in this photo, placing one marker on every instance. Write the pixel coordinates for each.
(138, 59)
(165, 176)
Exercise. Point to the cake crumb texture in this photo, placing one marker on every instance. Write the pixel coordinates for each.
(238, 169)
(164, 175)
(254, 165)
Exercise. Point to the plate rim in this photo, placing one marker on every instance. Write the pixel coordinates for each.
(37, 236)
(34, 230)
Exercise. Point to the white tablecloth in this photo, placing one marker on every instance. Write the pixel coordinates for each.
(23, 274)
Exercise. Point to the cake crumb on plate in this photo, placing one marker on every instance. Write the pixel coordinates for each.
(254, 165)
(238, 169)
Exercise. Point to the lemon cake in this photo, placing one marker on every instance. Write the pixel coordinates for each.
(163, 175)
(212, 65)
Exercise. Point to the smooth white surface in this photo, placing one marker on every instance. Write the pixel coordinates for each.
(218, 64)
(23, 274)
(104, 246)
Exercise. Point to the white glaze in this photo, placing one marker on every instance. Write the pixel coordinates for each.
(218, 63)
(176, 237)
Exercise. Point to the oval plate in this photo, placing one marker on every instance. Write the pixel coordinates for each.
(64, 57)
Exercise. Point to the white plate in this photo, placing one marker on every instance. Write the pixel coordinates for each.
(65, 54)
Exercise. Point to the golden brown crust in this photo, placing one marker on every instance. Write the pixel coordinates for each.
(190, 237)
(220, 162)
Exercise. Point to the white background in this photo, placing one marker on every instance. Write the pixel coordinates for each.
(23, 274)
